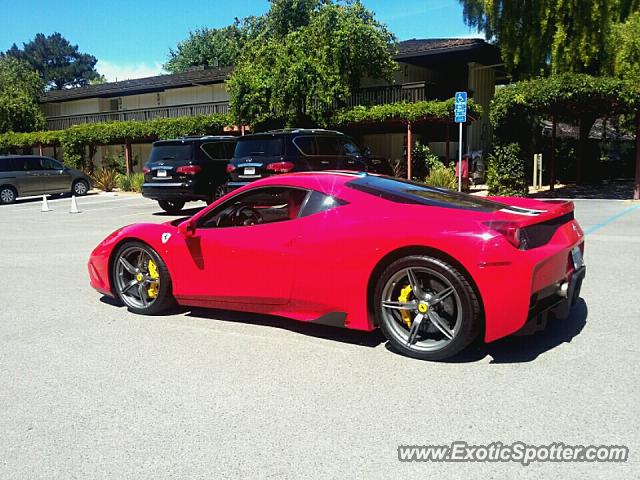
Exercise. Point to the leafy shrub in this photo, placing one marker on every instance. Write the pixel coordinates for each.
(124, 182)
(130, 183)
(423, 160)
(105, 179)
(442, 176)
(137, 179)
(505, 173)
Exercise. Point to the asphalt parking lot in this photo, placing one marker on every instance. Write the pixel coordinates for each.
(89, 390)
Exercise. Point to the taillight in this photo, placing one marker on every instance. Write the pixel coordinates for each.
(145, 170)
(280, 167)
(511, 232)
(189, 169)
(230, 168)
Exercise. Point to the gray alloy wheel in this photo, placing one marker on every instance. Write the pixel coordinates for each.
(219, 192)
(80, 187)
(140, 279)
(426, 308)
(7, 195)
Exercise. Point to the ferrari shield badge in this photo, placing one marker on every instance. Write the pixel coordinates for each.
(166, 237)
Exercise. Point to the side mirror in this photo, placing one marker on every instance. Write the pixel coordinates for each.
(187, 228)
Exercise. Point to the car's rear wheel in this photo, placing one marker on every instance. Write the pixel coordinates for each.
(426, 308)
(80, 188)
(141, 279)
(7, 195)
(171, 206)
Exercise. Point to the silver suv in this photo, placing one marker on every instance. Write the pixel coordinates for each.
(25, 175)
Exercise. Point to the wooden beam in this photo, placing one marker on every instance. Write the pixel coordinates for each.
(40, 150)
(552, 163)
(128, 157)
(409, 148)
(636, 188)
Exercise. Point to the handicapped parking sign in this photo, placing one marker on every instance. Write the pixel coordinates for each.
(460, 107)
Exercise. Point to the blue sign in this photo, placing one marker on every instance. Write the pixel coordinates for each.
(461, 107)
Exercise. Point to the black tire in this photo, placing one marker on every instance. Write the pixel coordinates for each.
(463, 302)
(80, 188)
(164, 299)
(8, 195)
(171, 206)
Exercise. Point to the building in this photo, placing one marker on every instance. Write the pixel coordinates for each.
(428, 69)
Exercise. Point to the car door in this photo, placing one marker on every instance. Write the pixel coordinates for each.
(241, 252)
(54, 176)
(29, 176)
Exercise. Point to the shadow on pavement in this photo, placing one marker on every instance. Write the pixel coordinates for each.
(611, 190)
(354, 337)
(521, 349)
(185, 212)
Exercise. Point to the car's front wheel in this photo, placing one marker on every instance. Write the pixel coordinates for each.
(426, 307)
(141, 279)
(171, 206)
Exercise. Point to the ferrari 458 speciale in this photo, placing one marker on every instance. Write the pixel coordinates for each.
(432, 268)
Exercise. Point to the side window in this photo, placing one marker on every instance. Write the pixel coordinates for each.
(306, 145)
(350, 148)
(263, 205)
(32, 163)
(329, 146)
(319, 202)
(215, 150)
(49, 164)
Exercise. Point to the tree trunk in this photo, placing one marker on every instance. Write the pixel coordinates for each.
(128, 157)
(586, 122)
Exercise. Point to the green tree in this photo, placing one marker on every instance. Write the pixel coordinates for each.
(626, 47)
(59, 64)
(297, 73)
(550, 36)
(211, 47)
(20, 88)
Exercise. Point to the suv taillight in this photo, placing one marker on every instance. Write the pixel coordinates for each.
(230, 168)
(189, 169)
(511, 232)
(145, 170)
(280, 167)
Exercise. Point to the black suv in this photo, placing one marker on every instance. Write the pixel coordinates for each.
(297, 150)
(190, 168)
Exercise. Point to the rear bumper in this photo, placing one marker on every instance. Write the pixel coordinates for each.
(172, 191)
(553, 301)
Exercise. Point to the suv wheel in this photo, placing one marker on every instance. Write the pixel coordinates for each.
(7, 195)
(171, 206)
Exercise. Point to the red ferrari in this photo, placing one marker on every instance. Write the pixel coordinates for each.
(434, 269)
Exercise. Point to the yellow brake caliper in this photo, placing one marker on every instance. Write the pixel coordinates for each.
(153, 273)
(404, 298)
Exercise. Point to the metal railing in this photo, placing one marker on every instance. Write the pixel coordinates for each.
(65, 121)
(408, 92)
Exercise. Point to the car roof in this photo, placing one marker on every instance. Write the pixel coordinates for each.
(325, 181)
(194, 139)
(294, 131)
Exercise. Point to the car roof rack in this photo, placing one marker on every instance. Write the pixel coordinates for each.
(303, 130)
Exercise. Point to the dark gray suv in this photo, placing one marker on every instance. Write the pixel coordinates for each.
(25, 175)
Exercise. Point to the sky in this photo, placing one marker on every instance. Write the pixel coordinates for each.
(132, 38)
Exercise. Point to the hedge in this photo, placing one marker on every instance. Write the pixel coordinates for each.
(430, 109)
(74, 139)
(568, 96)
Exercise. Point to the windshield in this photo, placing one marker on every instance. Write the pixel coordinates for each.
(180, 152)
(404, 191)
(259, 146)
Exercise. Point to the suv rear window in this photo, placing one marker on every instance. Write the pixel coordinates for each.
(218, 150)
(171, 152)
(404, 191)
(259, 147)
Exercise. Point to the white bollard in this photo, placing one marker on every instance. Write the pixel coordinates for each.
(45, 205)
(74, 205)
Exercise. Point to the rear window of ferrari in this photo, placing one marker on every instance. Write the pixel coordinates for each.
(404, 191)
